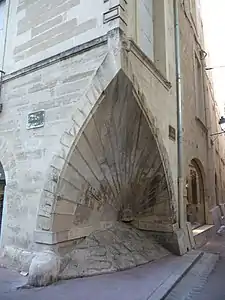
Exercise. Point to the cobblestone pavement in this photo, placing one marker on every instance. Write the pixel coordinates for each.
(134, 284)
(205, 280)
(214, 288)
(139, 283)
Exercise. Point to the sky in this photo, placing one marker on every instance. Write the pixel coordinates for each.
(213, 16)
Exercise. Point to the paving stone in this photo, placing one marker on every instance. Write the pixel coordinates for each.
(119, 247)
(196, 278)
(134, 284)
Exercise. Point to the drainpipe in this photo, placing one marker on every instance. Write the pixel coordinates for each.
(1, 75)
(180, 182)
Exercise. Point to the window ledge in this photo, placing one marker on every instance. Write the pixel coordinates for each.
(202, 125)
(131, 46)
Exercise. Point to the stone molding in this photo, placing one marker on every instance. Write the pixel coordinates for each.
(131, 46)
(57, 58)
(44, 234)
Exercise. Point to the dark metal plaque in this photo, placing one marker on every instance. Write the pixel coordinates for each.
(36, 119)
(172, 133)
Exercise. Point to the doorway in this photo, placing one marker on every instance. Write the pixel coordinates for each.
(216, 190)
(2, 189)
(195, 196)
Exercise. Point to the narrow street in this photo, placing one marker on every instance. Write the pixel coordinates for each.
(197, 285)
(139, 283)
(214, 289)
(134, 284)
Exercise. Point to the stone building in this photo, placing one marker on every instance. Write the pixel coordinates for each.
(203, 151)
(88, 134)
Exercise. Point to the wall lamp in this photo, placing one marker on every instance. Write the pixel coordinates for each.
(222, 125)
(212, 68)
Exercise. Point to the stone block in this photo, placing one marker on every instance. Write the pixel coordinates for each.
(177, 242)
(65, 207)
(62, 222)
(44, 223)
(58, 162)
(68, 190)
(77, 232)
(190, 234)
(44, 36)
(49, 237)
(45, 210)
(216, 217)
(46, 25)
(222, 206)
(44, 269)
(154, 226)
(79, 76)
(43, 237)
(67, 139)
(91, 95)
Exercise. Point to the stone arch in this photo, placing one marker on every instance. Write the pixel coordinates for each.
(216, 189)
(107, 173)
(8, 183)
(196, 193)
(8, 161)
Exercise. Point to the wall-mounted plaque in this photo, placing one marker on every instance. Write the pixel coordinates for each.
(172, 133)
(36, 119)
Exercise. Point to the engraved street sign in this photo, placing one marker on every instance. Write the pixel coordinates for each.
(36, 119)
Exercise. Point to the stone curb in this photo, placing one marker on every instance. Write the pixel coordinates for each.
(167, 286)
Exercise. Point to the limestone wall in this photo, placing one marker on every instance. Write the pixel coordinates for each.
(200, 113)
(39, 29)
(26, 154)
(67, 87)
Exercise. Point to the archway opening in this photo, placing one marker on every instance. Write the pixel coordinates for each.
(2, 189)
(195, 196)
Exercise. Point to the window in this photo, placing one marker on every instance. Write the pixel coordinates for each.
(193, 9)
(145, 35)
(199, 90)
(2, 14)
(148, 30)
(2, 23)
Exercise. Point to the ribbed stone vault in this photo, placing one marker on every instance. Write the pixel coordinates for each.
(114, 171)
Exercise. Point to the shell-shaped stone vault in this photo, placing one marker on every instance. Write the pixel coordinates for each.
(114, 171)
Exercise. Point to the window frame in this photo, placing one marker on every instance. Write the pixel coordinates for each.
(160, 51)
(199, 103)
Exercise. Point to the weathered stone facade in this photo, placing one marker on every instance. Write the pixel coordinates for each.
(201, 117)
(105, 150)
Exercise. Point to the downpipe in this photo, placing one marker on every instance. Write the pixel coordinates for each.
(180, 180)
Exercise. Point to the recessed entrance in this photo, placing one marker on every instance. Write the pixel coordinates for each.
(216, 190)
(195, 196)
